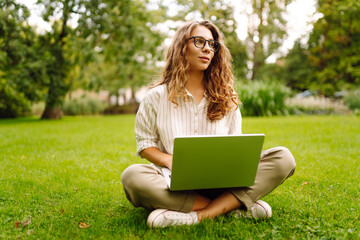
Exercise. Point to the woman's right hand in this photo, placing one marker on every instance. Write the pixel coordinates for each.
(157, 157)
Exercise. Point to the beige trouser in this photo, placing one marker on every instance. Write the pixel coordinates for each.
(145, 185)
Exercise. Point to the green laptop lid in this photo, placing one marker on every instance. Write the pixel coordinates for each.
(203, 162)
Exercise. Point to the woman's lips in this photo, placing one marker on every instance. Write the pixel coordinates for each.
(205, 59)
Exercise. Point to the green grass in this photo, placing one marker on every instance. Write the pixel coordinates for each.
(55, 174)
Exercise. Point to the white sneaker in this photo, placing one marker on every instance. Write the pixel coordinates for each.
(260, 210)
(164, 217)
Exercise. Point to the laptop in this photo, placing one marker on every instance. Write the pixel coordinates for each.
(205, 162)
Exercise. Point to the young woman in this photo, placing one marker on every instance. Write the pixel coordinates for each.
(195, 97)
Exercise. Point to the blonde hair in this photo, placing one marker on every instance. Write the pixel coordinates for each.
(218, 77)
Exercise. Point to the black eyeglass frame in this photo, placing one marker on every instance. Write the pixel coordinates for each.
(216, 43)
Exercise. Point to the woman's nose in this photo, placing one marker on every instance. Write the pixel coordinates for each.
(206, 47)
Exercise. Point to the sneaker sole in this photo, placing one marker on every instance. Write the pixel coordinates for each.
(157, 213)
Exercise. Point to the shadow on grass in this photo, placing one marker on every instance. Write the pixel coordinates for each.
(131, 219)
(21, 120)
(131, 223)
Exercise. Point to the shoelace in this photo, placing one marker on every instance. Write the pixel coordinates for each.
(179, 217)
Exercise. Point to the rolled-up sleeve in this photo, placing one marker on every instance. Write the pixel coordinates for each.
(145, 123)
(236, 121)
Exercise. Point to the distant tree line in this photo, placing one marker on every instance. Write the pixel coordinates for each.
(330, 60)
(117, 44)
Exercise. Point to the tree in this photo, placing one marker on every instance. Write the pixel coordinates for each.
(334, 46)
(130, 45)
(295, 68)
(113, 32)
(266, 31)
(58, 43)
(20, 65)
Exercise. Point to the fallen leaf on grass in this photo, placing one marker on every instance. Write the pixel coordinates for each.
(83, 225)
(303, 184)
(25, 222)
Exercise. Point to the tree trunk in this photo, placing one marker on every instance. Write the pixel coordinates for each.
(52, 113)
(256, 63)
(133, 103)
(58, 87)
(132, 98)
(117, 96)
(54, 101)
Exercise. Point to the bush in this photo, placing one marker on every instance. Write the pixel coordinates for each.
(352, 100)
(261, 98)
(12, 103)
(130, 108)
(317, 105)
(83, 106)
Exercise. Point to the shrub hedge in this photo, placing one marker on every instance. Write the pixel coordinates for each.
(352, 100)
(260, 98)
(83, 106)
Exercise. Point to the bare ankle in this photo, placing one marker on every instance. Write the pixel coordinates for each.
(200, 202)
(200, 215)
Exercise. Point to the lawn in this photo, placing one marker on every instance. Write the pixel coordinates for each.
(57, 175)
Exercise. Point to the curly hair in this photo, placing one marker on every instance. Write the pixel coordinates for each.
(218, 77)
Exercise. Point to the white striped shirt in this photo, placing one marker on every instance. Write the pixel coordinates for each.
(159, 121)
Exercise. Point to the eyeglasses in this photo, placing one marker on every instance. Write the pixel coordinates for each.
(200, 42)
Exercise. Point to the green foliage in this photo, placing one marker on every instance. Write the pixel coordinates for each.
(12, 103)
(266, 32)
(56, 49)
(109, 33)
(116, 44)
(352, 100)
(261, 98)
(83, 106)
(296, 70)
(129, 44)
(20, 65)
(334, 46)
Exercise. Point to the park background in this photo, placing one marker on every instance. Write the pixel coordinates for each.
(90, 62)
(84, 57)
